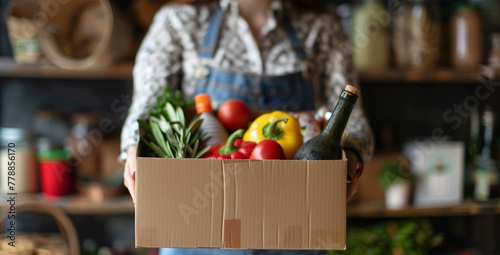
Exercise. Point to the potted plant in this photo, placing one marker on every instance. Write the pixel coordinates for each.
(396, 179)
(411, 236)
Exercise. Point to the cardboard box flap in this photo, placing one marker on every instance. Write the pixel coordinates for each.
(284, 204)
(178, 200)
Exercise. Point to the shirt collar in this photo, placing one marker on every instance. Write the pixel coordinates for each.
(276, 6)
(275, 11)
(224, 4)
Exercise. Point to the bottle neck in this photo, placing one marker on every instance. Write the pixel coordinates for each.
(338, 121)
(495, 42)
(474, 134)
(488, 120)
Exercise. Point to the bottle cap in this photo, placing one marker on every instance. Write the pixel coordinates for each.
(353, 90)
(203, 103)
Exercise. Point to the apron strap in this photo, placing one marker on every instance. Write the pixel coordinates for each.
(211, 39)
(212, 36)
(292, 37)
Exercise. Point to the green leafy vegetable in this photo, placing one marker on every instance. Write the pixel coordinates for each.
(167, 134)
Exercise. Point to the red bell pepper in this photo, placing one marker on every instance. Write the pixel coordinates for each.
(233, 148)
(268, 149)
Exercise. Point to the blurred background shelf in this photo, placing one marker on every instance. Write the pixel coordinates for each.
(377, 209)
(8, 68)
(430, 76)
(79, 205)
(123, 71)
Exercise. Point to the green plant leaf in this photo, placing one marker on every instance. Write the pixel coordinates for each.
(391, 173)
(194, 125)
(201, 152)
(160, 140)
(181, 117)
(413, 236)
(436, 240)
(169, 151)
(171, 113)
(162, 122)
(176, 127)
(144, 125)
(159, 152)
(196, 137)
(171, 135)
(182, 142)
(195, 148)
(186, 139)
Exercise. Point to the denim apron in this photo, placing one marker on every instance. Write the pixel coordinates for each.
(288, 92)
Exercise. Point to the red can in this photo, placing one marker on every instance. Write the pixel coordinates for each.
(55, 173)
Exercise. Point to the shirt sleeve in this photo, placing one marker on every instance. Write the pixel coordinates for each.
(335, 73)
(158, 63)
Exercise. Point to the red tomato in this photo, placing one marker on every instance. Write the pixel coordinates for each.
(234, 114)
(268, 149)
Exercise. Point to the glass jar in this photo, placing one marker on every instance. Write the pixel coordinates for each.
(425, 32)
(401, 37)
(466, 38)
(494, 56)
(18, 160)
(85, 138)
(369, 38)
(50, 124)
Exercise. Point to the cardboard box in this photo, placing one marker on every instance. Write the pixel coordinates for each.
(248, 204)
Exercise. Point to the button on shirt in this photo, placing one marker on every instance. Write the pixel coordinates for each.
(169, 56)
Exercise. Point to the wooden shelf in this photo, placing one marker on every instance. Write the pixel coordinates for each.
(435, 76)
(8, 68)
(491, 73)
(376, 209)
(82, 205)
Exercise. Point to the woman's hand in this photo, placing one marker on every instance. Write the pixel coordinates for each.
(129, 173)
(352, 178)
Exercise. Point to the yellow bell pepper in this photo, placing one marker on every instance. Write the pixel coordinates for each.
(278, 126)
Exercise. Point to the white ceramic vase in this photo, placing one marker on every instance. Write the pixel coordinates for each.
(397, 196)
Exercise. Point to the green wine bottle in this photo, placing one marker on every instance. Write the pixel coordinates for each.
(326, 145)
(485, 172)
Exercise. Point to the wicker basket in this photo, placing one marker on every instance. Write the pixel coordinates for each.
(93, 29)
(30, 243)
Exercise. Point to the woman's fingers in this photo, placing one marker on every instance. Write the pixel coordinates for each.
(352, 179)
(129, 181)
(129, 173)
(352, 187)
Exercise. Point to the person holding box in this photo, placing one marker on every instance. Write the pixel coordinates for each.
(248, 50)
